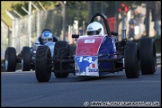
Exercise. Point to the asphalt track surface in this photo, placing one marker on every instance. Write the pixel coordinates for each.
(21, 89)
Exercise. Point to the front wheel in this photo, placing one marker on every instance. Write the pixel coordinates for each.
(43, 64)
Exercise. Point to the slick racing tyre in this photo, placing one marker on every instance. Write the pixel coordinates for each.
(131, 59)
(72, 49)
(147, 56)
(10, 59)
(26, 59)
(43, 64)
(61, 52)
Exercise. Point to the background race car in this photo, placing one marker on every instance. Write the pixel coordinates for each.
(27, 56)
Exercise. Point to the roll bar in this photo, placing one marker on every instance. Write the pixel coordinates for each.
(105, 21)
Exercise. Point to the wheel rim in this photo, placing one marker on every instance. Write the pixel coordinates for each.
(6, 65)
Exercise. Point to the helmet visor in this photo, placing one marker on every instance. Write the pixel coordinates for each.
(94, 32)
(46, 40)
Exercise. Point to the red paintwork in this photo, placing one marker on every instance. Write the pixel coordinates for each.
(88, 45)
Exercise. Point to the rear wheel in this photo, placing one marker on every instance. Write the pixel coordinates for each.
(147, 56)
(10, 59)
(61, 51)
(72, 49)
(43, 64)
(26, 59)
(132, 66)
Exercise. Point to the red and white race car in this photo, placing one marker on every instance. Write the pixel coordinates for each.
(96, 54)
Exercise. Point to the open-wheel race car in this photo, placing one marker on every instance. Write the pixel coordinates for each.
(96, 54)
(27, 56)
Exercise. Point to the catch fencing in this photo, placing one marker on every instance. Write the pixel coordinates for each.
(25, 30)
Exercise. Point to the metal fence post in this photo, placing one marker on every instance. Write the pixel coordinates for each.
(64, 19)
(38, 23)
(29, 23)
(123, 25)
(147, 19)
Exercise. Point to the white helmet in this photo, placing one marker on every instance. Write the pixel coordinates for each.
(95, 28)
(46, 36)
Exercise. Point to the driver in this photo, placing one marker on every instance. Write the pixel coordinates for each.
(46, 36)
(95, 28)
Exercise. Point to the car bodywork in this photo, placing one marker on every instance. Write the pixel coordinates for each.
(95, 56)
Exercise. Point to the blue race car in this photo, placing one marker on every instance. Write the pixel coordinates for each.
(27, 56)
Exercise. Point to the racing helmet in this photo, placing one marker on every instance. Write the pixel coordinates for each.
(46, 36)
(95, 28)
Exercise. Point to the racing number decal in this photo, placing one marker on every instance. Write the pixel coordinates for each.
(89, 59)
(86, 65)
(80, 59)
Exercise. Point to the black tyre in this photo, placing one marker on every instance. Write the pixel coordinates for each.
(147, 56)
(10, 59)
(26, 59)
(43, 64)
(131, 58)
(72, 49)
(61, 51)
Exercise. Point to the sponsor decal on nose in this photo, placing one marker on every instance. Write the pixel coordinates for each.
(93, 65)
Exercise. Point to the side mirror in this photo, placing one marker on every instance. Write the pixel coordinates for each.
(75, 35)
(114, 33)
